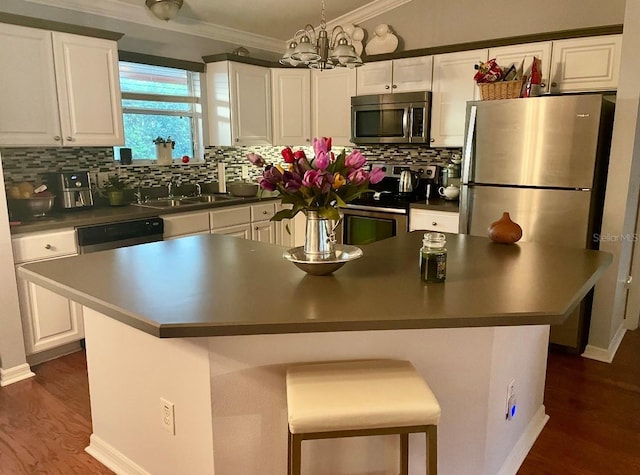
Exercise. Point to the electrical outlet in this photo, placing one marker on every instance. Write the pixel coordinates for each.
(102, 178)
(245, 172)
(511, 406)
(168, 416)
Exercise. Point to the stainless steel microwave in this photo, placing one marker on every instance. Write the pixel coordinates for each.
(391, 118)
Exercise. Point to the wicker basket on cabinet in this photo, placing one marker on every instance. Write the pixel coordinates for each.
(500, 90)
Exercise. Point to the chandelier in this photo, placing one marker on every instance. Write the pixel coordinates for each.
(321, 51)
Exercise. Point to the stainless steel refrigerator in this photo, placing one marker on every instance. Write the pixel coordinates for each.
(544, 160)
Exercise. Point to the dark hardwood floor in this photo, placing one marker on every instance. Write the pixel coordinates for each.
(594, 410)
(594, 428)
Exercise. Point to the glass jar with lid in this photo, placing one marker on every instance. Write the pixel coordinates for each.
(433, 258)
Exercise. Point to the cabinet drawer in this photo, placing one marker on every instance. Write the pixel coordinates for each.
(230, 217)
(443, 221)
(47, 245)
(185, 223)
(262, 212)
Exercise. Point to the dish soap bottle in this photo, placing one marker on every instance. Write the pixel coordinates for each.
(433, 258)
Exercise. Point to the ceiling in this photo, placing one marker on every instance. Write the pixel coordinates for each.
(261, 24)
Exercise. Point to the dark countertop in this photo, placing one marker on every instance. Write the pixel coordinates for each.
(213, 285)
(438, 204)
(110, 214)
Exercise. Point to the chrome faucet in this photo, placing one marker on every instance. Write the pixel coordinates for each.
(198, 189)
(172, 183)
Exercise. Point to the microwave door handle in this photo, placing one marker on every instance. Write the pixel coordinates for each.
(406, 133)
(410, 123)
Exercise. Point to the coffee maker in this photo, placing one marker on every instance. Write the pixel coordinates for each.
(72, 189)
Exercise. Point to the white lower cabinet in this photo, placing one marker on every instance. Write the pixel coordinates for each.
(48, 319)
(185, 224)
(434, 220)
(242, 231)
(247, 221)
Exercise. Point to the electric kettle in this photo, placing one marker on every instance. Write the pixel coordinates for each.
(408, 181)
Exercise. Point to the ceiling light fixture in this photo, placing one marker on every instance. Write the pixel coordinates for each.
(321, 51)
(164, 9)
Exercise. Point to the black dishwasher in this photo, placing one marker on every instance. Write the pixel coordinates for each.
(101, 237)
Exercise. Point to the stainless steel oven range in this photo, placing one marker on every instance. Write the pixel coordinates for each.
(384, 213)
(364, 224)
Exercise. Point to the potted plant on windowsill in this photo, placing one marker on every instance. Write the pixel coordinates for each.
(115, 191)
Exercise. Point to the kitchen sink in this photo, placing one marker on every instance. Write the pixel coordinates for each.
(208, 198)
(184, 201)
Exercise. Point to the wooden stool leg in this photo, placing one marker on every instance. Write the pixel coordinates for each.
(404, 454)
(295, 454)
(432, 450)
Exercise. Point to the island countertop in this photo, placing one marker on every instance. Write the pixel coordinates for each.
(213, 285)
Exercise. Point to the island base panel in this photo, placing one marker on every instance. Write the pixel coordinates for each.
(230, 401)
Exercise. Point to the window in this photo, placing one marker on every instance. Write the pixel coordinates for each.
(158, 101)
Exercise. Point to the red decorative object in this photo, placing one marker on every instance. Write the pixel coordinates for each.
(185, 159)
(505, 231)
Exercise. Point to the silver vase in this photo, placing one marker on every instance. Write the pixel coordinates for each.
(320, 238)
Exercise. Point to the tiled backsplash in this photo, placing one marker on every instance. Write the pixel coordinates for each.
(30, 164)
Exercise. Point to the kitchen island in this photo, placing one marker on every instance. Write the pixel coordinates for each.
(210, 323)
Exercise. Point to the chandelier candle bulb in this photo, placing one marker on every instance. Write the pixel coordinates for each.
(433, 258)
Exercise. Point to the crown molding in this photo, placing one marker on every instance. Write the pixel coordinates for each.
(140, 15)
(366, 12)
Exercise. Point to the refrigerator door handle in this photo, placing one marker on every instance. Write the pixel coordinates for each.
(468, 145)
(465, 192)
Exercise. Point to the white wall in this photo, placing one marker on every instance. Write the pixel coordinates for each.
(11, 341)
(621, 202)
(427, 23)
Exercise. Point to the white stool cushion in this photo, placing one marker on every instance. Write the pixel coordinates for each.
(354, 395)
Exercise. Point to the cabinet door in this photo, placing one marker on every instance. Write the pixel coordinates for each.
(29, 112)
(375, 78)
(48, 319)
(88, 86)
(183, 224)
(507, 55)
(223, 218)
(263, 231)
(242, 231)
(433, 220)
(331, 92)
(412, 74)
(586, 64)
(291, 90)
(453, 86)
(250, 88)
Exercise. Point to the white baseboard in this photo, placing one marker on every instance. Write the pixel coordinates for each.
(602, 354)
(112, 458)
(514, 460)
(15, 374)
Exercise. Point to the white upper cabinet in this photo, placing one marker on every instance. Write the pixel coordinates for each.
(453, 86)
(291, 92)
(239, 104)
(331, 92)
(58, 89)
(517, 54)
(398, 75)
(586, 64)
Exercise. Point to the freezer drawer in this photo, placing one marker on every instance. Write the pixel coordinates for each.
(550, 216)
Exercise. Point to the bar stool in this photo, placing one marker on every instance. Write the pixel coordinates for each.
(360, 398)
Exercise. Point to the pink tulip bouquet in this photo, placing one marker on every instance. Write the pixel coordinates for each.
(323, 183)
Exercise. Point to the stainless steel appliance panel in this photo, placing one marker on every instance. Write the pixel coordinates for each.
(364, 225)
(391, 118)
(546, 141)
(552, 216)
